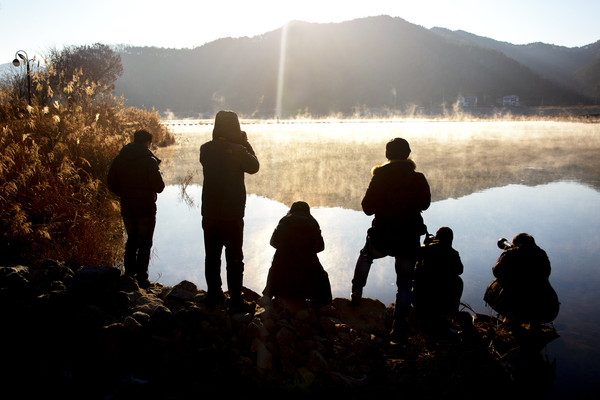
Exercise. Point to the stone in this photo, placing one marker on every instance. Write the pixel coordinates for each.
(264, 358)
(369, 316)
(256, 329)
(285, 337)
(184, 290)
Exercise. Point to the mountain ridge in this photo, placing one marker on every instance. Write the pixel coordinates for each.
(372, 66)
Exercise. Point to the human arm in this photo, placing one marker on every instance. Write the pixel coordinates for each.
(155, 179)
(248, 158)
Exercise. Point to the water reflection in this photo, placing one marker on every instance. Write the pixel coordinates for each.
(563, 217)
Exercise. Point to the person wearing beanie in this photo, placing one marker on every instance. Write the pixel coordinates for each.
(134, 176)
(296, 271)
(225, 159)
(396, 196)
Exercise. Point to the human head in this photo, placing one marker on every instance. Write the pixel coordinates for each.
(397, 149)
(300, 207)
(142, 137)
(523, 239)
(227, 126)
(445, 235)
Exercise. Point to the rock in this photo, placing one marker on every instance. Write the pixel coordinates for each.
(141, 317)
(183, 291)
(369, 316)
(15, 287)
(285, 337)
(132, 324)
(168, 338)
(317, 363)
(256, 330)
(147, 304)
(161, 321)
(264, 358)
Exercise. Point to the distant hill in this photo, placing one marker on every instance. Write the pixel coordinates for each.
(577, 68)
(370, 65)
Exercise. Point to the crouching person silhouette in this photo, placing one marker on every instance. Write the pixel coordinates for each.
(134, 176)
(437, 285)
(296, 272)
(397, 194)
(521, 290)
(225, 159)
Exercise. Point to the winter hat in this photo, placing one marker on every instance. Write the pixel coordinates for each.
(444, 235)
(142, 136)
(227, 126)
(523, 239)
(300, 207)
(397, 149)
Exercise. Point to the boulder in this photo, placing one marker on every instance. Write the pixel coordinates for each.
(368, 316)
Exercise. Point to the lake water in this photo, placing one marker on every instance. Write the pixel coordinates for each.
(563, 216)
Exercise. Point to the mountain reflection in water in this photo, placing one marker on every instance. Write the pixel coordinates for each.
(563, 217)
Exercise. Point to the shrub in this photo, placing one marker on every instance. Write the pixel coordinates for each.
(54, 157)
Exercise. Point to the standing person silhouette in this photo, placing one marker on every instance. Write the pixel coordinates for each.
(135, 177)
(396, 196)
(225, 159)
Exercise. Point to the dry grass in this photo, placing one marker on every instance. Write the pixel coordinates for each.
(54, 156)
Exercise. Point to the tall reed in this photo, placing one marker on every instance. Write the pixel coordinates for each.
(54, 157)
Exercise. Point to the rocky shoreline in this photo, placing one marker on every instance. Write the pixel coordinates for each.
(95, 334)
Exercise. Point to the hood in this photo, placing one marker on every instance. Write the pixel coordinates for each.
(227, 127)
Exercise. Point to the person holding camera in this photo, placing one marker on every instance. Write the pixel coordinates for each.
(521, 290)
(438, 287)
(225, 159)
(135, 177)
(396, 196)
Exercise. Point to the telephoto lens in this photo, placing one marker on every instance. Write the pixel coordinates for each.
(504, 244)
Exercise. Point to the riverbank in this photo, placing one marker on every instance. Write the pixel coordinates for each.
(94, 333)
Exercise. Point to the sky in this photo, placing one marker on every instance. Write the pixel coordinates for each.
(36, 26)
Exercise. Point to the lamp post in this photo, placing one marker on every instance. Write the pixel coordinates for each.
(22, 54)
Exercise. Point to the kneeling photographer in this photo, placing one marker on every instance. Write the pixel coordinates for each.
(521, 291)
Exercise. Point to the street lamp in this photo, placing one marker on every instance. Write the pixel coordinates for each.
(22, 54)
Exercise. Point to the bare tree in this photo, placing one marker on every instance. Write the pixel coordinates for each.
(97, 62)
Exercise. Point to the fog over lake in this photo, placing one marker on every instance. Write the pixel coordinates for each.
(555, 201)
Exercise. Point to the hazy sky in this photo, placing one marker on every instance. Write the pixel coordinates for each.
(38, 25)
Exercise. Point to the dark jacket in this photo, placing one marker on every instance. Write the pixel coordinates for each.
(396, 195)
(437, 283)
(521, 290)
(296, 271)
(134, 176)
(224, 164)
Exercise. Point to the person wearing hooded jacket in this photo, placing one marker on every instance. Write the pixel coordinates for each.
(135, 177)
(296, 271)
(396, 196)
(225, 159)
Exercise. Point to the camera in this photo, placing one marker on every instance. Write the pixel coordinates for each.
(428, 239)
(504, 244)
(244, 136)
